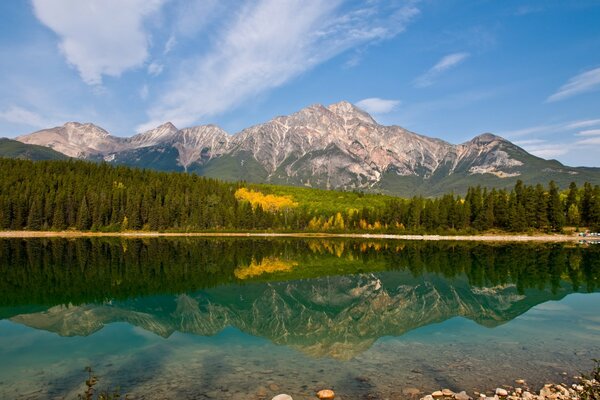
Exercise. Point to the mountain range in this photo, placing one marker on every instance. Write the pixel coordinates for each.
(338, 146)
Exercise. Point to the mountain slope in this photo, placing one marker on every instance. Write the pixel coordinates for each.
(335, 147)
(14, 149)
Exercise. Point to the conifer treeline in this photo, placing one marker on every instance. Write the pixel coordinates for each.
(57, 195)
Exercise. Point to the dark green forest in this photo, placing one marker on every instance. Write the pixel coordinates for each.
(59, 195)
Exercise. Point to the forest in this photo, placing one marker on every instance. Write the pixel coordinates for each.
(79, 195)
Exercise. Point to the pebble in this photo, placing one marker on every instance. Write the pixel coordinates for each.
(462, 396)
(274, 387)
(520, 381)
(428, 397)
(519, 390)
(326, 394)
(501, 392)
(437, 393)
(282, 397)
(447, 392)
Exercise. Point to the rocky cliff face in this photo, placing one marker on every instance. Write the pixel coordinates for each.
(339, 146)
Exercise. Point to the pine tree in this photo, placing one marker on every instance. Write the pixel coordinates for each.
(556, 216)
(84, 220)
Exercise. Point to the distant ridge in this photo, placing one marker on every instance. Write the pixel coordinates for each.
(15, 149)
(339, 146)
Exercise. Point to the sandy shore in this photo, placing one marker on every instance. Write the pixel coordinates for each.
(142, 234)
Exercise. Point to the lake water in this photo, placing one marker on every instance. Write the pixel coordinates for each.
(247, 319)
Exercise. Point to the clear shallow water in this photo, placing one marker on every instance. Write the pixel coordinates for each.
(249, 318)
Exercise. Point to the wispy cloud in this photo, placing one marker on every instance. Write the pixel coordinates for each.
(21, 116)
(588, 141)
(265, 45)
(584, 82)
(589, 132)
(99, 37)
(375, 105)
(444, 64)
(585, 123)
(155, 68)
(564, 140)
(570, 127)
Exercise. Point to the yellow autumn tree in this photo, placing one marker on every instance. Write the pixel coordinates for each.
(269, 202)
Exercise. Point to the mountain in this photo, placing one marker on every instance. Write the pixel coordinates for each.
(335, 147)
(14, 149)
(339, 316)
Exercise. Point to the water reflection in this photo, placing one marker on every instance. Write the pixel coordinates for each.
(330, 298)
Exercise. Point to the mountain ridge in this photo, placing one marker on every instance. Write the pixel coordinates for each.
(339, 146)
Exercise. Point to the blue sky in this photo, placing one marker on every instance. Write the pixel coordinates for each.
(526, 70)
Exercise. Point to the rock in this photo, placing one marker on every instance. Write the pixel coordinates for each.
(547, 392)
(527, 396)
(447, 392)
(282, 397)
(519, 390)
(326, 394)
(462, 396)
(411, 391)
(437, 393)
(520, 381)
(274, 387)
(428, 397)
(482, 395)
(261, 391)
(579, 388)
(501, 392)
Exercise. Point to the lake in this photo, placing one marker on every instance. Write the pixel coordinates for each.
(198, 318)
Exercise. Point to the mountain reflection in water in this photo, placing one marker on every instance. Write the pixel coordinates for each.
(330, 298)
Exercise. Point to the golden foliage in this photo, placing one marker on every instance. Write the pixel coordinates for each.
(268, 265)
(269, 202)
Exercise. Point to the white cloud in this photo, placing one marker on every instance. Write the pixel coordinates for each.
(155, 69)
(589, 132)
(22, 116)
(99, 37)
(170, 45)
(265, 45)
(588, 141)
(581, 83)
(375, 105)
(586, 123)
(445, 63)
(144, 92)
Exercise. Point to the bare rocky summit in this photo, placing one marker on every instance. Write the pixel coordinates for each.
(335, 147)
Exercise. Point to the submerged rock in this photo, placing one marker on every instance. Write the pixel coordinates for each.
(326, 394)
(282, 397)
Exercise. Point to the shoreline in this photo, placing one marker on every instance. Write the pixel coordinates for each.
(143, 234)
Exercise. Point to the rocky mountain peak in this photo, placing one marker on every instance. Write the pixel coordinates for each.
(349, 111)
(486, 138)
(86, 128)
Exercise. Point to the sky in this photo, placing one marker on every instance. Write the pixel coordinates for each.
(526, 70)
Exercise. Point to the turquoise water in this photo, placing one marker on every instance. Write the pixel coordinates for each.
(244, 319)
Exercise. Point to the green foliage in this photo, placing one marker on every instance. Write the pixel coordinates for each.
(15, 149)
(80, 195)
